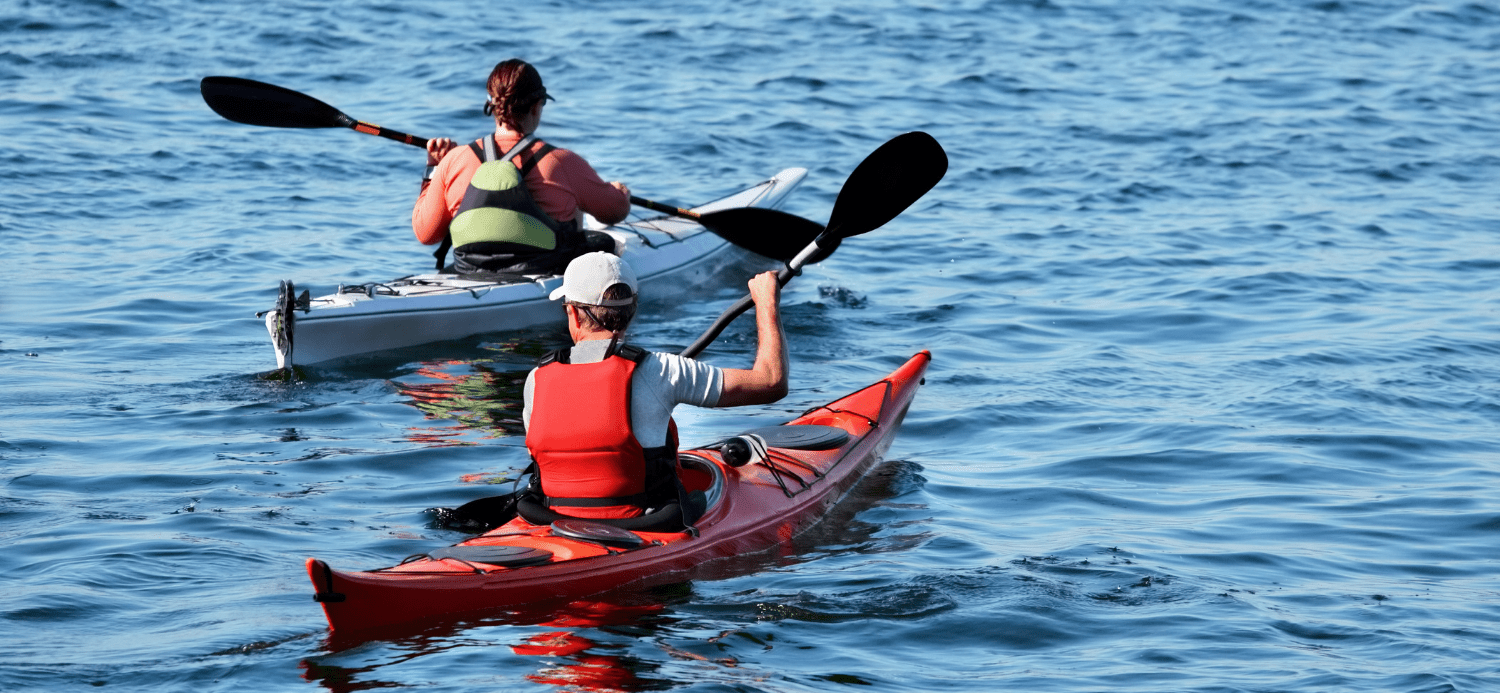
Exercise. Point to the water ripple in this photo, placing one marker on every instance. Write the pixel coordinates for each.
(1208, 287)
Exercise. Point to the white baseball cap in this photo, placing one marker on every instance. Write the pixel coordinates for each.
(588, 276)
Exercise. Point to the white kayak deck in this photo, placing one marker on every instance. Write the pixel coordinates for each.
(667, 254)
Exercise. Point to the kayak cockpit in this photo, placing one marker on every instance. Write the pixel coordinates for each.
(523, 543)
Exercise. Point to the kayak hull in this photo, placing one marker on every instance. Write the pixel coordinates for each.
(751, 509)
(667, 254)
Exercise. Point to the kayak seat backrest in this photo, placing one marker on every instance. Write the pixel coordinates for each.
(667, 518)
(701, 478)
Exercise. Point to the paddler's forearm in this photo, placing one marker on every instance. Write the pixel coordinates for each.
(770, 351)
(429, 216)
(766, 381)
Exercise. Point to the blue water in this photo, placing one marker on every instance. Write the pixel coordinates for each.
(1210, 286)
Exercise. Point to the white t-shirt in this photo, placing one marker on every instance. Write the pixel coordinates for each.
(660, 382)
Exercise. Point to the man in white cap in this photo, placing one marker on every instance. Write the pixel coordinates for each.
(598, 416)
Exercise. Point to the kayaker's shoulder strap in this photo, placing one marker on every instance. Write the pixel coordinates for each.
(625, 351)
(632, 353)
(489, 151)
(532, 160)
(555, 356)
(527, 165)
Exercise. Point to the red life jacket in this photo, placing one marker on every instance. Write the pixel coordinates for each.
(588, 459)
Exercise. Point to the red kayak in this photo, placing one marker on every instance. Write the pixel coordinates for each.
(809, 464)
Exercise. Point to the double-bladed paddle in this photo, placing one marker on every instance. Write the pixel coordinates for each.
(776, 235)
(888, 181)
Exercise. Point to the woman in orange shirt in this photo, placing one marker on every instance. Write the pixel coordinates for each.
(510, 202)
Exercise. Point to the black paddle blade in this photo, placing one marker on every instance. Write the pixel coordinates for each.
(257, 103)
(888, 181)
(477, 515)
(769, 232)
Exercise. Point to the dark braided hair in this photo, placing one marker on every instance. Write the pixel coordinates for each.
(515, 87)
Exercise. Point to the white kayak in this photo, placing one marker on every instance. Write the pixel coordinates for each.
(667, 253)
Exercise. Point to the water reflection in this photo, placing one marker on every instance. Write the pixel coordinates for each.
(472, 394)
(482, 394)
(575, 662)
(571, 653)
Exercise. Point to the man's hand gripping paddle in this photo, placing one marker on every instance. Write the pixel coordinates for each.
(888, 181)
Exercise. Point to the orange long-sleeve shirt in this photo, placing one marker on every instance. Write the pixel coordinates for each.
(562, 183)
